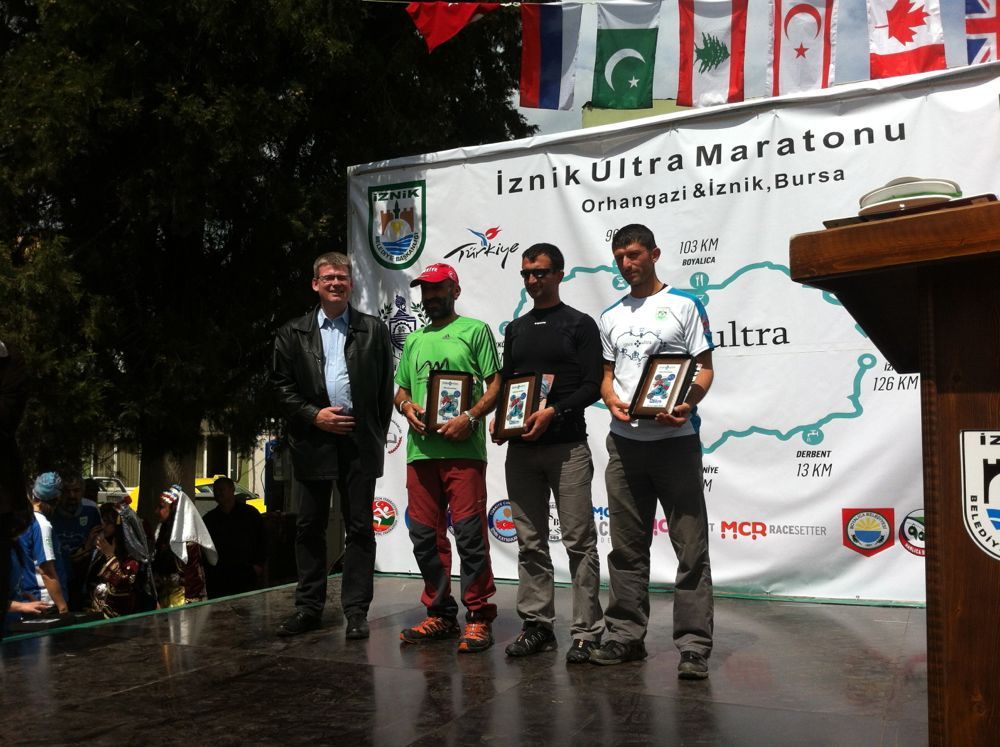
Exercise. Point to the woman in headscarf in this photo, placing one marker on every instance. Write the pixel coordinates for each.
(183, 545)
(119, 577)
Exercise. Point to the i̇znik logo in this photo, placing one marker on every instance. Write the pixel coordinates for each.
(868, 530)
(397, 223)
(981, 489)
(383, 516)
(501, 522)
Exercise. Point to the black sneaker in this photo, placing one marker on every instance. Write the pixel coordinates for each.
(300, 622)
(579, 652)
(693, 666)
(533, 640)
(431, 629)
(615, 652)
(357, 626)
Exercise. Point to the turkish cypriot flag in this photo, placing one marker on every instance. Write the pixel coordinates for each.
(625, 56)
(803, 45)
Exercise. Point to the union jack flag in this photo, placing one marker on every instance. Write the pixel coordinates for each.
(982, 29)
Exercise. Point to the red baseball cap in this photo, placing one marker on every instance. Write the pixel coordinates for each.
(436, 273)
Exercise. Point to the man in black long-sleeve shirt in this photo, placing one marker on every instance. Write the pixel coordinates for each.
(553, 456)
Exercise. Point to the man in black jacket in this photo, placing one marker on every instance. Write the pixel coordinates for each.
(333, 376)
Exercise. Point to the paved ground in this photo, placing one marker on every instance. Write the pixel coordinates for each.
(782, 674)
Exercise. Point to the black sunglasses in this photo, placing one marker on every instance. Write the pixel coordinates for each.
(536, 274)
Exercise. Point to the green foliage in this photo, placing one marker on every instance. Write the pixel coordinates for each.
(711, 53)
(191, 157)
(45, 313)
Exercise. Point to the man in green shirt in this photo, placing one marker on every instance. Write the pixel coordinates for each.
(446, 468)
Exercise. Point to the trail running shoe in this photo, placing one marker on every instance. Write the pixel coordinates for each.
(615, 652)
(533, 640)
(478, 636)
(431, 629)
(579, 652)
(692, 666)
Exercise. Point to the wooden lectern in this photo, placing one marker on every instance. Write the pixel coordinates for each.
(925, 287)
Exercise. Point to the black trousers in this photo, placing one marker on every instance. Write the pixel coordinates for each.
(357, 491)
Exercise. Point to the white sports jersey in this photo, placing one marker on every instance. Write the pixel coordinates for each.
(668, 322)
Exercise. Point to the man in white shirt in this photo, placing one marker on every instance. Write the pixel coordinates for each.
(49, 575)
(654, 461)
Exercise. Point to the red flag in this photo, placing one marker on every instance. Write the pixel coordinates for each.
(803, 37)
(904, 36)
(438, 22)
(712, 51)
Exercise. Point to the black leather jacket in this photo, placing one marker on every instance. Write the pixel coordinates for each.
(297, 377)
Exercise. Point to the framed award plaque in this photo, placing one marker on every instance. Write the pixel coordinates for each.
(664, 382)
(449, 394)
(519, 397)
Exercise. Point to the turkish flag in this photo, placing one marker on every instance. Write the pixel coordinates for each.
(803, 40)
(904, 36)
(438, 22)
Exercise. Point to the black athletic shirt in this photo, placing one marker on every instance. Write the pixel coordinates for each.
(565, 342)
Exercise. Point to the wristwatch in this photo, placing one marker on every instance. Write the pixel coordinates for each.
(473, 420)
(403, 404)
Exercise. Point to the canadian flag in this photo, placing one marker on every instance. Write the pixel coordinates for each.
(904, 36)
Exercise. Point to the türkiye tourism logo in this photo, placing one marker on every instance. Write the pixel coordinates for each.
(981, 489)
(501, 522)
(483, 247)
(384, 516)
(868, 530)
(397, 223)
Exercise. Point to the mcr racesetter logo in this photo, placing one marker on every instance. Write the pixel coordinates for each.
(735, 529)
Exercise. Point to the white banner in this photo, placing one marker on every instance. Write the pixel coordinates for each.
(811, 440)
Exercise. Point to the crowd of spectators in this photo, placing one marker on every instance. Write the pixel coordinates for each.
(82, 559)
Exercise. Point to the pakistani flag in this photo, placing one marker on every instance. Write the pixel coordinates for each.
(626, 56)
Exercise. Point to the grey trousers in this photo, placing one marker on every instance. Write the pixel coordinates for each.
(565, 470)
(640, 473)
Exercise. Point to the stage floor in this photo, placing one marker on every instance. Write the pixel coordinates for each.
(782, 673)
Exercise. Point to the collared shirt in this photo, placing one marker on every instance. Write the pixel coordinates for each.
(334, 335)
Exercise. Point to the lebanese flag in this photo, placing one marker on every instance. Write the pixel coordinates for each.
(904, 37)
(712, 47)
(438, 22)
(803, 41)
(550, 37)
